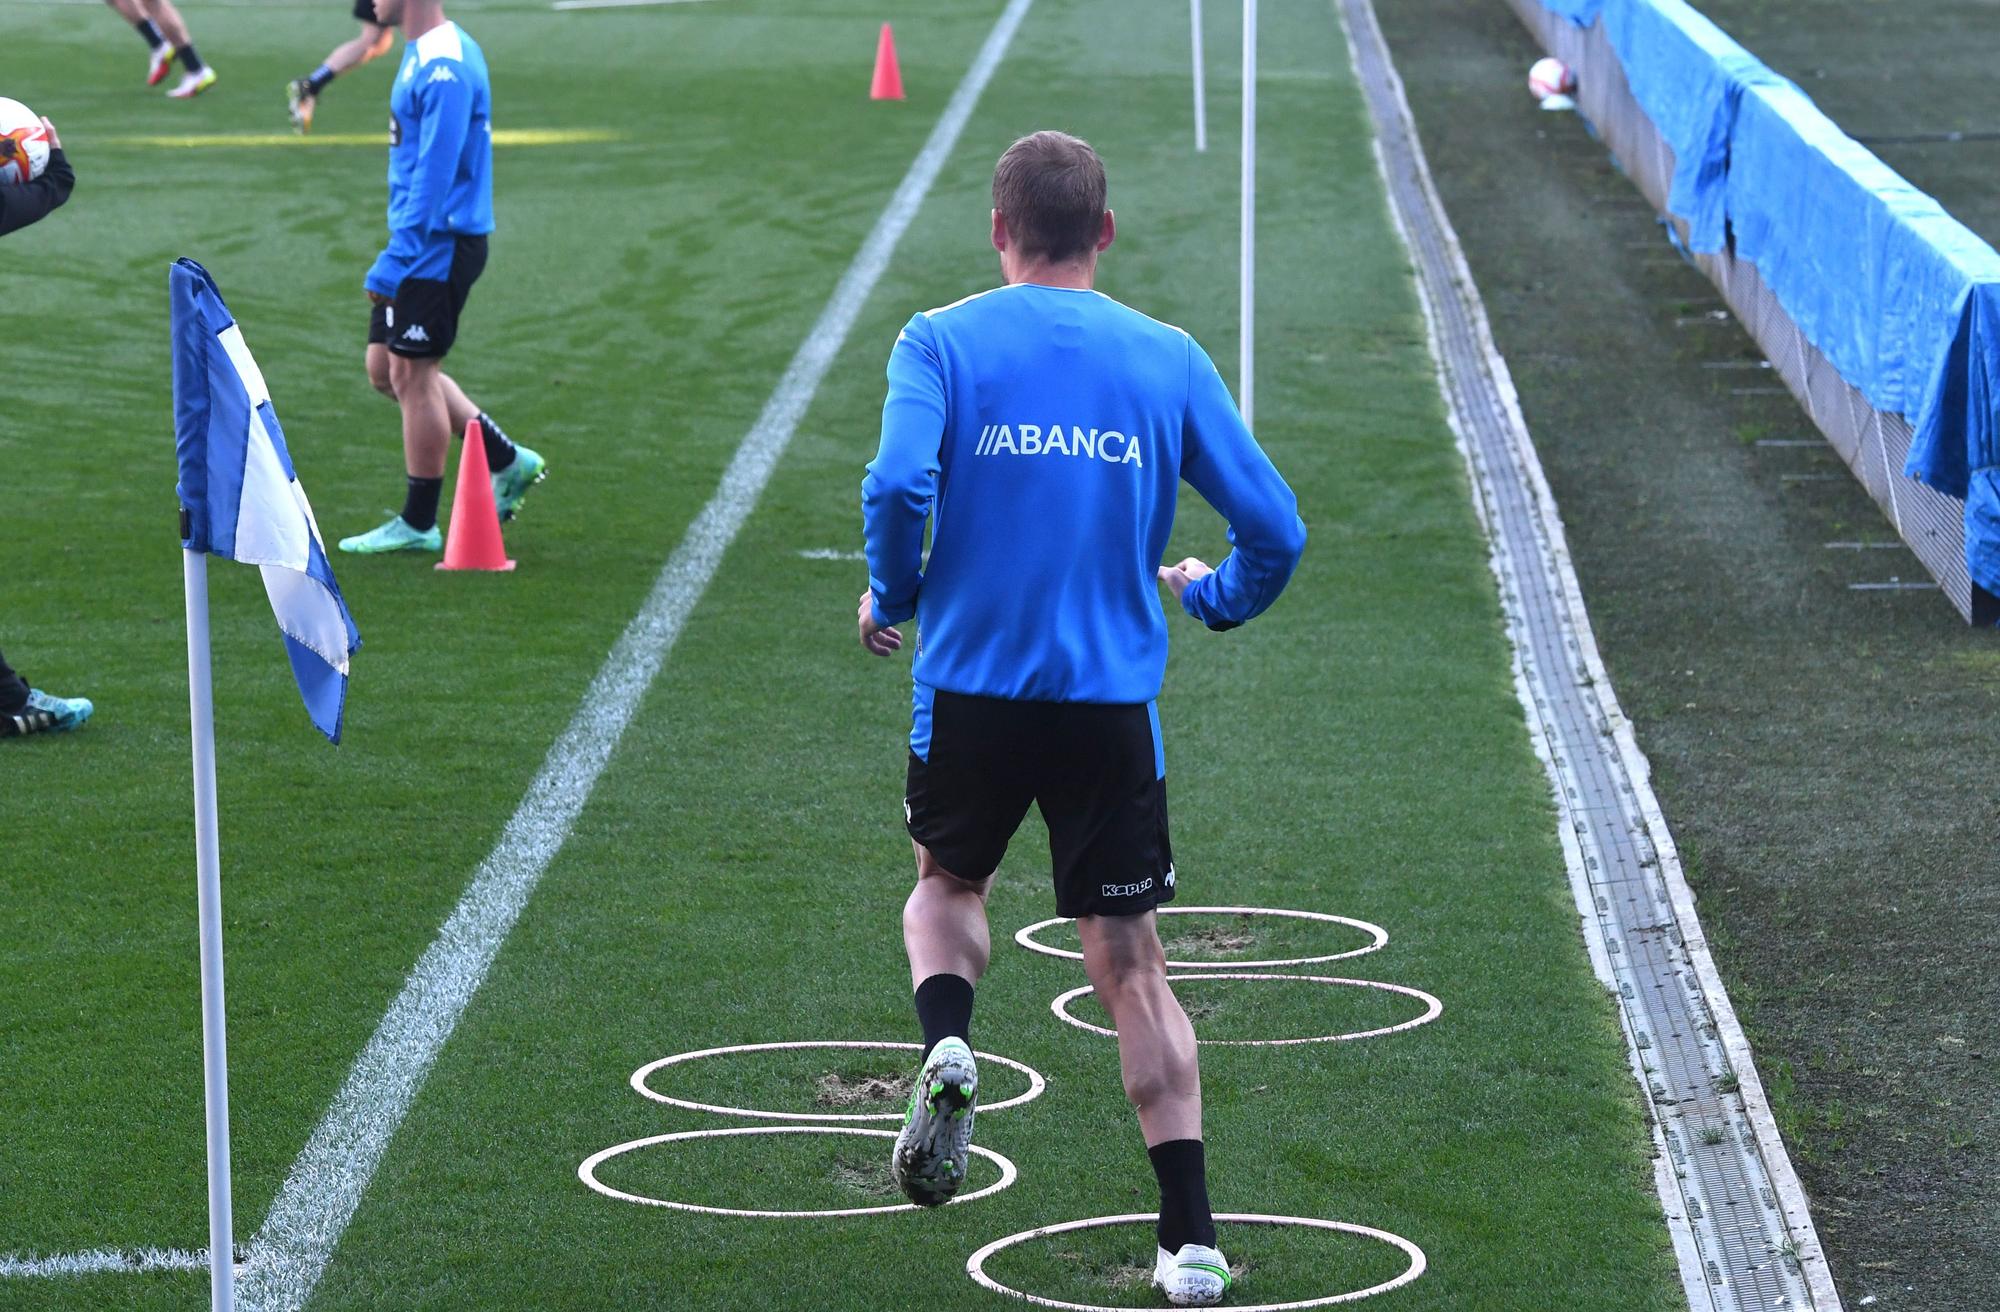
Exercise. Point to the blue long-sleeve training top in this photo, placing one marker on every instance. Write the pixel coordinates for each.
(440, 157)
(1044, 432)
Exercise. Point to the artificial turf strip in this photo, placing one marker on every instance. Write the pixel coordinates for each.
(738, 874)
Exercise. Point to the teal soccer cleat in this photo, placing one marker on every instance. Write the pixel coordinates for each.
(396, 535)
(931, 1152)
(511, 484)
(45, 713)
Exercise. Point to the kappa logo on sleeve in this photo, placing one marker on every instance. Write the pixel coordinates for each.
(1073, 440)
(442, 73)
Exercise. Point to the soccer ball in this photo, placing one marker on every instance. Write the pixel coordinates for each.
(24, 143)
(1550, 77)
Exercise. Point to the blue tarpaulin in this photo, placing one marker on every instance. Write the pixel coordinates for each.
(1900, 297)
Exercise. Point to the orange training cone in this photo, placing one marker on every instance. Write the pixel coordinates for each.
(888, 77)
(473, 540)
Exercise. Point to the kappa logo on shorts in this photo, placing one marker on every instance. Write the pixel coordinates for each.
(1127, 890)
(415, 333)
(1170, 875)
(388, 316)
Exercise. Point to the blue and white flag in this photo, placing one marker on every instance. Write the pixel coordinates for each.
(240, 498)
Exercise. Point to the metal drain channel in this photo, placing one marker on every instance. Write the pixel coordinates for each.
(1742, 1231)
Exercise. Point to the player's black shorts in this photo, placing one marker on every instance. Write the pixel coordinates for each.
(365, 11)
(422, 322)
(1094, 770)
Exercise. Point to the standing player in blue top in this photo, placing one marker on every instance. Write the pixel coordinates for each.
(1044, 429)
(440, 211)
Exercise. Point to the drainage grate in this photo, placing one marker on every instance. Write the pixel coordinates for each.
(1739, 1247)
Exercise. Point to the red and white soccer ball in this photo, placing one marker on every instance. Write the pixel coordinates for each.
(1551, 77)
(24, 143)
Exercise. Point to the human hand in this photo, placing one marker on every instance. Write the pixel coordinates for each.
(1177, 577)
(876, 639)
(377, 298)
(55, 142)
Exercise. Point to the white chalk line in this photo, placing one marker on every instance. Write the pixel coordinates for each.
(1432, 1008)
(975, 1266)
(319, 1197)
(835, 553)
(640, 1078)
(1378, 937)
(587, 1173)
(103, 1261)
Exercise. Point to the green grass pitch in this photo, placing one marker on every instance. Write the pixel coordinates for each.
(738, 872)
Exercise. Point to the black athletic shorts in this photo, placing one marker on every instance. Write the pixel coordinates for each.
(365, 11)
(422, 322)
(1096, 771)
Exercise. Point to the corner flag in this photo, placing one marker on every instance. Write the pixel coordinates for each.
(240, 498)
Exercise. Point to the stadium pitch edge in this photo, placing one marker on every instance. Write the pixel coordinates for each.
(1558, 669)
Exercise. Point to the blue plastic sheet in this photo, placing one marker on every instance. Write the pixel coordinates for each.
(1899, 296)
(1581, 12)
(1689, 76)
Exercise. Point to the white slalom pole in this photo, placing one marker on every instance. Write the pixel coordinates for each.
(1247, 363)
(208, 883)
(1200, 80)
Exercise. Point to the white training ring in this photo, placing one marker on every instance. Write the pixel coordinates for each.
(588, 1172)
(1026, 937)
(975, 1266)
(1036, 1084)
(1432, 1010)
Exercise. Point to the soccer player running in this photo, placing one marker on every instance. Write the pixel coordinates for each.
(1043, 429)
(25, 709)
(302, 94)
(161, 27)
(440, 211)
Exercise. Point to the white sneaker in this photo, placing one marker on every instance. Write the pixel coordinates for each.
(931, 1152)
(1197, 1276)
(193, 84)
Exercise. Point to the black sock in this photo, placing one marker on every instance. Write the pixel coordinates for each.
(499, 451)
(1183, 1176)
(944, 1008)
(151, 33)
(316, 80)
(420, 503)
(13, 689)
(189, 59)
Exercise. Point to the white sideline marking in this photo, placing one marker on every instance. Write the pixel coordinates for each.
(104, 1261)
(831, 553)
(326, 1183)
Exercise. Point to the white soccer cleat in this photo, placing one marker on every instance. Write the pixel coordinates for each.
(193, 84)
(1197, 1276)
(158, 65)
(936, 1142)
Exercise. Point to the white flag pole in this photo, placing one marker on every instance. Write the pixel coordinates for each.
(1246, 364)
(1200, 81)
(208, 882)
